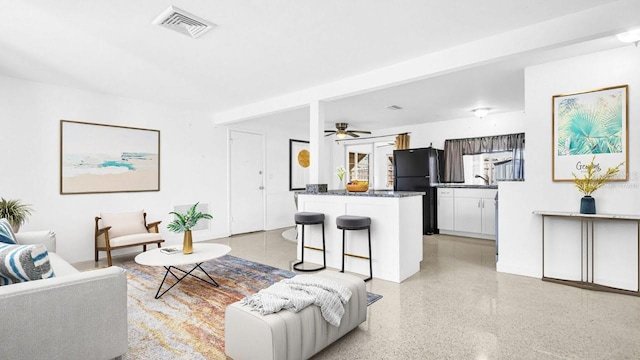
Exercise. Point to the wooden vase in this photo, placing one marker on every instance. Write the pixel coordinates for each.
(187, 243)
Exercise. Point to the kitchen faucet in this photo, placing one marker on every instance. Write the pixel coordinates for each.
(485, 178)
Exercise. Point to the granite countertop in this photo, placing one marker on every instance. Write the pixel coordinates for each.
(466, 186)
(370, 193)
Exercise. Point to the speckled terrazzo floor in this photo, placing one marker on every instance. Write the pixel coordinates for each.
(459, 307)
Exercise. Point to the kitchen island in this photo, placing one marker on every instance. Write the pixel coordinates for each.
(396, 231)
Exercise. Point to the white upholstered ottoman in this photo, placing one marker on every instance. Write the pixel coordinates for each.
(287, 335)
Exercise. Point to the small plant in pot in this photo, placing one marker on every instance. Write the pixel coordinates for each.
(15, 212)
(184, 223)
(591, 182)
(340, 172)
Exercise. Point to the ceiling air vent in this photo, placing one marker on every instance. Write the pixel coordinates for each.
(183, 22)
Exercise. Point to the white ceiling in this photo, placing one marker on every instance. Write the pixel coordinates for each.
(262, 49)
(497, 86)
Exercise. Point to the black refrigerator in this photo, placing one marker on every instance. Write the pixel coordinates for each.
(420, 170)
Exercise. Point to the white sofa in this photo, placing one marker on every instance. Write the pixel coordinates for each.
(75, 315)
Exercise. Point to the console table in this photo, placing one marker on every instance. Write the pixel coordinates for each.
(589, 247)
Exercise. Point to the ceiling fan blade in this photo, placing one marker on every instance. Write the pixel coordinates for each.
(352, 134)
(360, 131)
(330, 131)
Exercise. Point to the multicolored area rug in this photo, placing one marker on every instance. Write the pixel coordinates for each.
(188, 321)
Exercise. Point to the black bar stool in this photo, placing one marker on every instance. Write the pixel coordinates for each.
(310, 218)
(351, 222)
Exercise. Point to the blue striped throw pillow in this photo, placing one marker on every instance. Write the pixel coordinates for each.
(20, 263)
(6, 233)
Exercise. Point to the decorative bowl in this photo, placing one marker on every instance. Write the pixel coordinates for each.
(359, 187)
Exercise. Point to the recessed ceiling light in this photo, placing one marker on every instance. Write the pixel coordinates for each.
(394, 107)
(480, 112)
(632, 36)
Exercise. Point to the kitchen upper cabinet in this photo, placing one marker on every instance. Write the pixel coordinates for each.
(445, 209)
(467, 212)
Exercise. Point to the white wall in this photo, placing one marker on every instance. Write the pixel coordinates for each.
(520, 231)
(192, 153)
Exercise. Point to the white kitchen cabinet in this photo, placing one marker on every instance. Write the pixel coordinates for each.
(489, 216)
(467, 212)
(445, 209)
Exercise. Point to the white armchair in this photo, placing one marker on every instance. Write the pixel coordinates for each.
(121, 230)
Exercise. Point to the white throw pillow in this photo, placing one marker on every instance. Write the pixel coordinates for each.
(126, 223)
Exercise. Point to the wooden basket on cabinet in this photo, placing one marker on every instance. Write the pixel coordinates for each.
(360, 186)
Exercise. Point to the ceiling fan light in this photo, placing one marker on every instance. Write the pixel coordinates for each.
(632, 36)
(341, 135)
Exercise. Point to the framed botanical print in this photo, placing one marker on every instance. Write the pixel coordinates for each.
(590, 124)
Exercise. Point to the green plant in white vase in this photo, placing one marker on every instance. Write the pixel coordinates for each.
(184, 223)
(15, 212)
(340, 172)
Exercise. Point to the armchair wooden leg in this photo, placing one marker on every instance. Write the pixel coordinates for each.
(144, 247)
(159, 246)
(96, 251)
(109, 257)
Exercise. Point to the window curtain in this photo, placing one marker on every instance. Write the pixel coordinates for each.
(453, 165)
(402, 141)
(518, 157)
(454, 150)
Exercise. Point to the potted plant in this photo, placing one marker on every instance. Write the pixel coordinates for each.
(340, 172)
(15, 212)
(591, 182)
(184, 223)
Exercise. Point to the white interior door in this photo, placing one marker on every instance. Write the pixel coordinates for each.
(246, 182)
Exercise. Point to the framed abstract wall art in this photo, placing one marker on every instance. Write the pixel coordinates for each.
(588, 124)
(298, 164)
(98, 158)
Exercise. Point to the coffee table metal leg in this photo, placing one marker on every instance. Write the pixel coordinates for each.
(186, 273)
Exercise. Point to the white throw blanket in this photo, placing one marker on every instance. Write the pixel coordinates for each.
(299, 292)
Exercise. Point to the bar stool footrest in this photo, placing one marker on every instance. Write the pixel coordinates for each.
(295, 267)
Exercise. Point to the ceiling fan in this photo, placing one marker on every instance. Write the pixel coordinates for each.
(342, 132)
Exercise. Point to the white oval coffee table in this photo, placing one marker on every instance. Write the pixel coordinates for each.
(201, 253)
